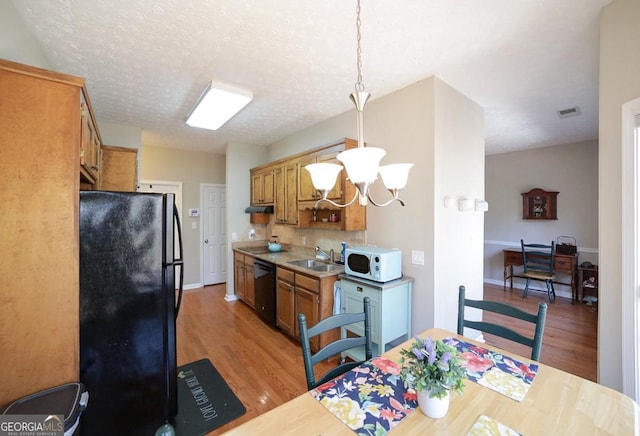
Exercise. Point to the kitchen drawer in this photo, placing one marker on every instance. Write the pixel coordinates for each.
(285, 274)
(238, 257)
(511, 258)
(309, 283)
(563, 265)
(360, 292)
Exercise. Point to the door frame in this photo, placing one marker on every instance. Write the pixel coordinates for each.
(630, 251)
(202, 216)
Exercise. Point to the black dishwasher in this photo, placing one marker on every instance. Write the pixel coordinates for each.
(265, 287)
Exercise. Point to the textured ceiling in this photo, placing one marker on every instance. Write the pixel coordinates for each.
(146, 62)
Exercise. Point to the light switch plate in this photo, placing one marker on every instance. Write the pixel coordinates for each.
(417, 257)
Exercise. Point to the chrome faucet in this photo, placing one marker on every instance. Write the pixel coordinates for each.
(330, 255)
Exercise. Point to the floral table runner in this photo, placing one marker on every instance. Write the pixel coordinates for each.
(370, 399)
(496, 371)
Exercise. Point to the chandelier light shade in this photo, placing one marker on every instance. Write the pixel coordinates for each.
(395, 176)
(324, 175)
(362, 164)
(217, 104)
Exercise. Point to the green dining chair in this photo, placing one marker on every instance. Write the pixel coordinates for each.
(537, 260)
(535, 341)
(334, 348)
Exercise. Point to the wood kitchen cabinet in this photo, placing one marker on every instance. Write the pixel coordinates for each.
(285, 297)
(301, 293)
(295, 197)
(286, 189)
(119, 169)
(40, 143)
(306, 190)
(90, 147)
(243, 277)
(349, 218)
(262, 187)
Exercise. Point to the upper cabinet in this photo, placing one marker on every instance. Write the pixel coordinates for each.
(119, 169)
(306, 190)
(294, 197)
(90, 146)
(286, 187)
(262, 187)
(327, 216)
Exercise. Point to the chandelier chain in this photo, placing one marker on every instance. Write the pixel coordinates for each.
(359, 86)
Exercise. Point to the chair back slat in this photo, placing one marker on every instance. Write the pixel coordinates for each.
(336, 347)
(534, 341)
(538, 257)
(538, 262)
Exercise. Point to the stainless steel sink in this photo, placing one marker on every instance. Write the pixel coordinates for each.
(326, 267)
(308, 263)
(315, 265)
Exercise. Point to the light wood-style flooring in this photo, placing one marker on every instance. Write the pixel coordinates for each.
(265, 369)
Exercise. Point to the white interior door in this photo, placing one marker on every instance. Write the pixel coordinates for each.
(214, 246)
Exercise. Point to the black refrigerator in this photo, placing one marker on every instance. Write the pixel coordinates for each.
(128, 310)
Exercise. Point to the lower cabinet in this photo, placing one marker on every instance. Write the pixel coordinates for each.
(285, 301)
(243, 276)
(301, 293)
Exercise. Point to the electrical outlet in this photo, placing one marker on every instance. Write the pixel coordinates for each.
(304, 240)
(417, 257)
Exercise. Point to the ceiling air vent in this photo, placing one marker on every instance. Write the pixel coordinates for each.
(569, 112)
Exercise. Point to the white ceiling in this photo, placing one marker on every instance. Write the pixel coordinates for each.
(146, 62)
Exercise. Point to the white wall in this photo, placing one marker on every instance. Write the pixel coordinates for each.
(122, 136)
(16, 41)
(619, 83)
(191, 168)
(240, 159)
(441, 132)
(570, 169)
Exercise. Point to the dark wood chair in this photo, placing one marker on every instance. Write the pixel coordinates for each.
(535, 342)
(537, 260)
(337, 347)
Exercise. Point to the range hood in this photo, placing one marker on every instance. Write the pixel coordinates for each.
(259, 209)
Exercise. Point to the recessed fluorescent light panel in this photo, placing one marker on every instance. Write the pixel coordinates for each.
(217, 104)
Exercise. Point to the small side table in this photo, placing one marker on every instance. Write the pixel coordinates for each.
(588, 283)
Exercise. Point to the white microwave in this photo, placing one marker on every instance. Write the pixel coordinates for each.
(373, 263)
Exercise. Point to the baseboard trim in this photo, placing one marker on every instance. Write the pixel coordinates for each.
(191, 286)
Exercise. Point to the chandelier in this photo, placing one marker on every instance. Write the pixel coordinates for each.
(362, 163)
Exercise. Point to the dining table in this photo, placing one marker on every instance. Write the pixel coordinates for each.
(555, 403)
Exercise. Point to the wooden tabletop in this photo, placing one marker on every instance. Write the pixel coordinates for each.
(558, 403)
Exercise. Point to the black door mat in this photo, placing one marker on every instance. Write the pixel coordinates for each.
(205, 401)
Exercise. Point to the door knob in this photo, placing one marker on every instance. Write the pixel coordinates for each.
(206, 241)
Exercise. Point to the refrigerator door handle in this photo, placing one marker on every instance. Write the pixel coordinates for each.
(179, 262)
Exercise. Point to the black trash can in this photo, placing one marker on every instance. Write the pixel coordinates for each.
(68, 400)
